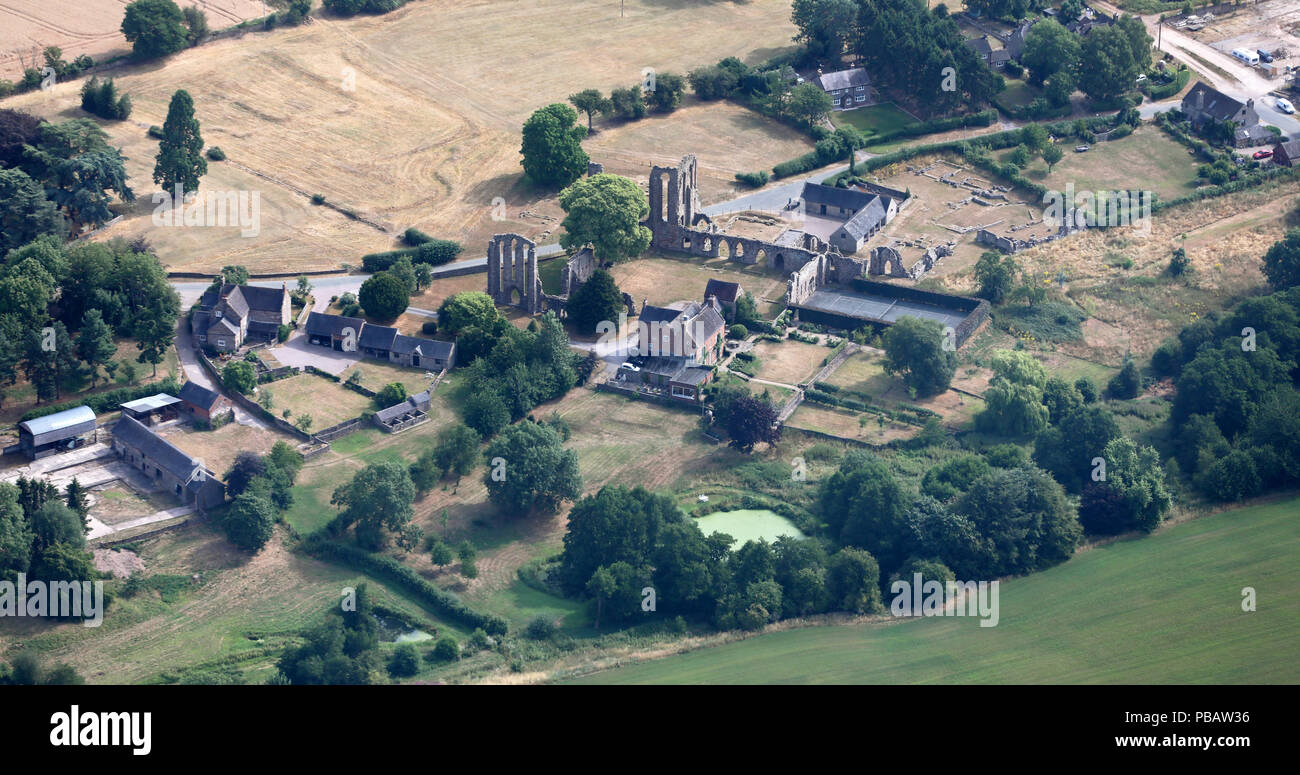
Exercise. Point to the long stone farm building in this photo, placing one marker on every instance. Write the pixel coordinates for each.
(166, 465)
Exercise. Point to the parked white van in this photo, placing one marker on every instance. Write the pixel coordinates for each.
(1249, 57)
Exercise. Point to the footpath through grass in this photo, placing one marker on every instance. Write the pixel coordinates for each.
(1161, 609)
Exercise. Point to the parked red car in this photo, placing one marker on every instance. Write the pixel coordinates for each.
(1262, 154)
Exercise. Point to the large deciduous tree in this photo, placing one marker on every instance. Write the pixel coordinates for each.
(915, 349)
(529, 469)
(552, 146)
(154, 28)
(607, 211)
(376, 500)
(596, 301)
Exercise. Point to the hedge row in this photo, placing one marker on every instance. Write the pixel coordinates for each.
(109, 401)
(390, 570)
(833, 395)
(434, 252)
(1165, 91)
(1241, 184)
(936, 125)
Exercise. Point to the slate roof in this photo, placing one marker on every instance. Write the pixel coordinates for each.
(155, 448)
(224, 325)
(844, 79)
(653, 314)
(235, 303)
(251, 296)
(265, 299)
(197, 395)
(852, 199)
(708, 323)
(416, 403)
(675, 369)
(60, 425)
(867, 219)
(322, 324)
(722, 290)
(1218, 105)
(1290, 147)
(429, 348)
(981, 45)
(377, 337)
(1255, 135)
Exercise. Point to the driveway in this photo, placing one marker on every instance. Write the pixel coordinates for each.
(298, 353)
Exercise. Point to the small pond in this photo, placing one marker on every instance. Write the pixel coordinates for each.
(749, 525)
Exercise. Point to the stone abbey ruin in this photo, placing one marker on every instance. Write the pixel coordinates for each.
(823, 285)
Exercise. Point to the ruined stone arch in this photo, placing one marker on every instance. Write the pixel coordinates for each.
(512, 273)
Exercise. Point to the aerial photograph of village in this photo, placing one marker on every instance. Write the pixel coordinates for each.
(556, 342)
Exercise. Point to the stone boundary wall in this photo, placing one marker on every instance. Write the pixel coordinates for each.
(249, 404)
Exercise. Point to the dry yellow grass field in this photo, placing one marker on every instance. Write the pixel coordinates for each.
(327, 402)
(413, 118)
(664, 280)
(789, 362)
(91, 27)
(218, 449)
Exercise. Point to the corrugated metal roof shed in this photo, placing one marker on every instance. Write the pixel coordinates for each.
(59, 426)
(150, 403)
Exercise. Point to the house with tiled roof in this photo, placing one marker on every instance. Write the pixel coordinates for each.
(202, 403)
(229, 316)
(848, 89)
(723, 293)
(1204, 104)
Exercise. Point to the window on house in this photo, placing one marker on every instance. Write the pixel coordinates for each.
(221, 343)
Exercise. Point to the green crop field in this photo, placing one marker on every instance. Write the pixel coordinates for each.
(1161, 609)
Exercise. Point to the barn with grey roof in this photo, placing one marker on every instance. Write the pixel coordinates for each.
(58, 432)
(167, 466)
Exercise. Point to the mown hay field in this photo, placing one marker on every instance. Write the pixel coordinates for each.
(413, 118)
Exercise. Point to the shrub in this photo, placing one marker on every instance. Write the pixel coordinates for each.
(754, 179)
(540, 628)
(405, 662)
(429, 327)
(1127, 383)
(402, 576)
(316, 199)
(738, 332)
(156, 132)
(216, 154)
(414, 237)
(446, 649)
(437, 252)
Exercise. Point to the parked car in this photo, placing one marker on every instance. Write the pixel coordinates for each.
(1285, 105)
(1082, 148)
(1262, 154)
(1264, 56)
